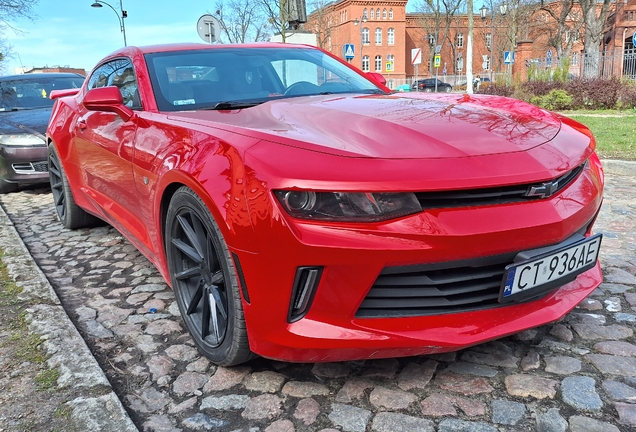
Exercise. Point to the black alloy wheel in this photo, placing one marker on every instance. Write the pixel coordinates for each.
(69, 213)
(204, 281)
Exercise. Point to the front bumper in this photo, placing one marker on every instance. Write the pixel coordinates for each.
(353, 255)
(24, 164)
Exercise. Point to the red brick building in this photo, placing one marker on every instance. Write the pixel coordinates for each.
(383, 36)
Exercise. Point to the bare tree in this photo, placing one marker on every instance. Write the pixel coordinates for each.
(322, 22)
(278, 16)
(241, 21)
(569, 22)
(594, 19)
(11, 10)
(437, 18)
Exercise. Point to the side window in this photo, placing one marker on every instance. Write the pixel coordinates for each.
(121, 74)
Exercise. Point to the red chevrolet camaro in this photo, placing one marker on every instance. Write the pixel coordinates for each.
(302, 211)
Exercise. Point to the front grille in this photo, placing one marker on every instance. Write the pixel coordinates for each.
(432, 289)
(493, 196)
(446, 287)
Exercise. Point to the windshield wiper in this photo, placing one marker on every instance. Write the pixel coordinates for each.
(372, 91)
(228, 105)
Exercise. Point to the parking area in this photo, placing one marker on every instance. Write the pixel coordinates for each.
(576, 374)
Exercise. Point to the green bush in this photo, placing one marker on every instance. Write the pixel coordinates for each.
(575, 94)
(556, 100)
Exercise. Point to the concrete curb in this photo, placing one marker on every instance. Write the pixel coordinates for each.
(619, 167)
(65, 347)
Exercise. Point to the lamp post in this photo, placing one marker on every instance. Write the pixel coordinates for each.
(124, 14)
(503, 8)
(360, 21)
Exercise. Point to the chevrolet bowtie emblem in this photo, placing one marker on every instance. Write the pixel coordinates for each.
(543, 191)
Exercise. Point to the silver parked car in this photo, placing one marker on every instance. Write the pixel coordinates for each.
(25, 109)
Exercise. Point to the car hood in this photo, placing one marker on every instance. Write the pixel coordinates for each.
(393, 126)
(33, 121)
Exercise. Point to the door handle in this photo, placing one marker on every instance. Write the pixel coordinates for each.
(81, 125)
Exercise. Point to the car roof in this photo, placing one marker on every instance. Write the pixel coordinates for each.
(38, 76)
(149, 49)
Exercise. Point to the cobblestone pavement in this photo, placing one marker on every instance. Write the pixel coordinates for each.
(578, 374)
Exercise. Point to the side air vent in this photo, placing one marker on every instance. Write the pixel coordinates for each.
(304, 289)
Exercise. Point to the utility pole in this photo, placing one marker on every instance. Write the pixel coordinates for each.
(469, 49)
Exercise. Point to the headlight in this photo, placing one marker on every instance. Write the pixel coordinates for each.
(21, 140)
(347, 206)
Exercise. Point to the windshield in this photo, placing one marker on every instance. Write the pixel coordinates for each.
(29, 92)
(223, 78)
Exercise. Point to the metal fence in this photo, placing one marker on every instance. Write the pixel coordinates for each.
(604, 64)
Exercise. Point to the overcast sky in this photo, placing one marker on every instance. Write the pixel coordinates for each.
(72, 33)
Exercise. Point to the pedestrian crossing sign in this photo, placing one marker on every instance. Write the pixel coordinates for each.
(437, 61)
(509, 57)
(348, 51)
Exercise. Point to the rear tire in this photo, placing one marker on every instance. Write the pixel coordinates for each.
(204, 281)
(6, 187)
(69, 213)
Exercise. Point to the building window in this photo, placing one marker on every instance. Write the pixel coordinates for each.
(391, 14)
(576, 36)
(460, 40)
(365, 13)
(567, 36)
(372, 15)
(390, 84)
(488, 39)
(378, 36)
(378, 63)
(365, 63)
(377, 13)
(575, 59)
(486, 63)
(384, 14)
(365, 35)
(390, 36)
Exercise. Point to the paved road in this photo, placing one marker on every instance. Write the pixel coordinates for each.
(578, 374)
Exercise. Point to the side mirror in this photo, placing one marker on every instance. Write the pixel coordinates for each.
(107, 99)
(374, 76)
(63, 93)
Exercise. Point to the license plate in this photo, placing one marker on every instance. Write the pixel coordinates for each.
(548, 269)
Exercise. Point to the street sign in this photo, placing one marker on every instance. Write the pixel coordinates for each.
(459, 55)
(634, 39)
(348, 50)
(389, 66)
(438, 49)
(416, 56)
(509, 57)
(437, 60)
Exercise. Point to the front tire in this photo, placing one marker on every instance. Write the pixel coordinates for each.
(70, 214)
(204, 281)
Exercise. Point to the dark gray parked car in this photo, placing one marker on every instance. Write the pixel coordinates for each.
(25, 109)
(428, 85)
